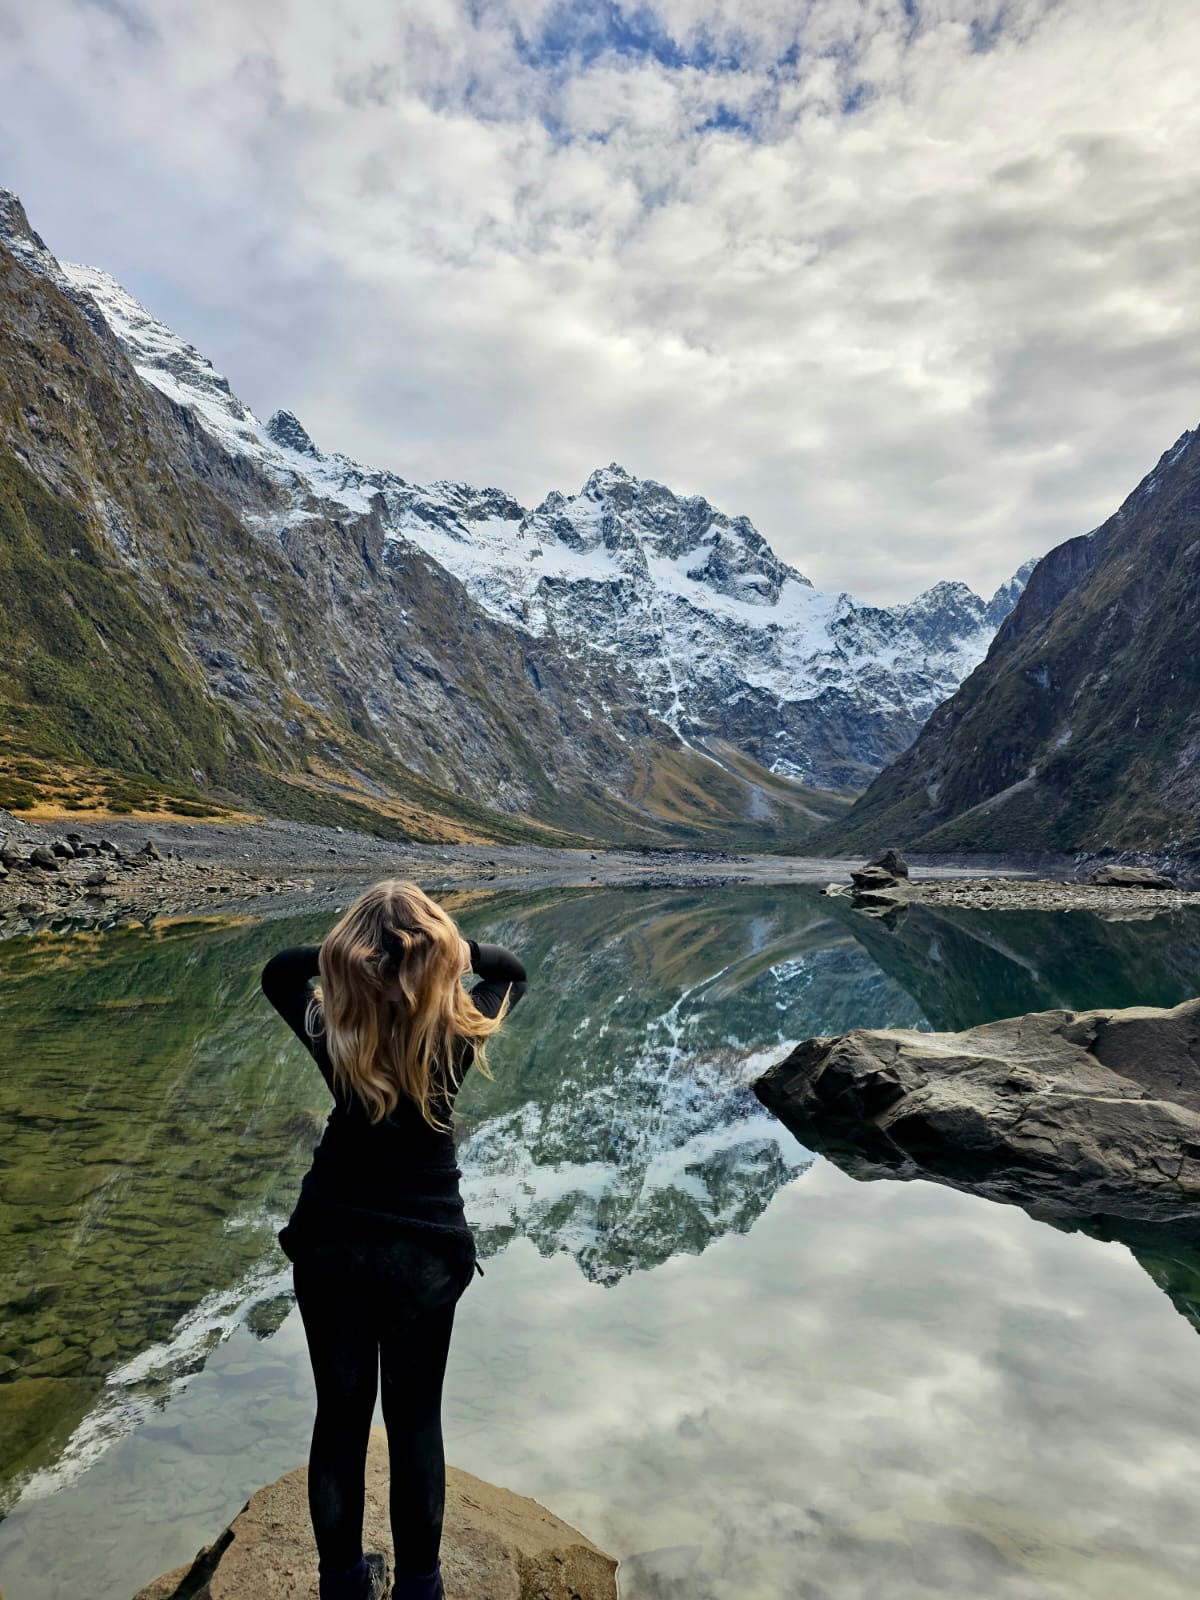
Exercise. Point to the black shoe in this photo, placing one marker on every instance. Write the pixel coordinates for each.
(379, 1583)
(406, 1586)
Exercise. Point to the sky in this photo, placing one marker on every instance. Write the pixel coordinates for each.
(913, 284)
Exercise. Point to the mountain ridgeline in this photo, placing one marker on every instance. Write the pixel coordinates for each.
(207, 610)
(1081, 729)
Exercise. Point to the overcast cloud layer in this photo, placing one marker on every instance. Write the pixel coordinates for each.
(912, 283)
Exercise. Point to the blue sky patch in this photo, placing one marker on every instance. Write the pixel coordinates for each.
(576, 32)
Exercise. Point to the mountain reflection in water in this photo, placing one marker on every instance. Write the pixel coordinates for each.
(158, 1116)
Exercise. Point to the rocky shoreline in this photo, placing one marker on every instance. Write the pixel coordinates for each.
(51, 873)
(118, 870)
(992, 893)
(885, 887)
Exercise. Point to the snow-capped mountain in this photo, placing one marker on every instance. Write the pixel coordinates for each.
(689, 608)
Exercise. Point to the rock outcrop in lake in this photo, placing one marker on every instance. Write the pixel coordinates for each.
(1023, 1110)
(496, 1545)
(1081, 729)
(1067, 1113)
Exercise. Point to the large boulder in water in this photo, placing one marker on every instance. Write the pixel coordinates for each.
(892, 861)
(496, 1545)
(1067, 1113)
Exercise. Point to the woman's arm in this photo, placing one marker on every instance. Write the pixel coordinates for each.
(285, 980)
(502, 974)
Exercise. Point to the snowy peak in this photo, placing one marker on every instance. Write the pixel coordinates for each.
(1007, 595)
(954, 611)
(287, 432)
(946, 609)
(19, 237)
(624, 513)
(163, 359)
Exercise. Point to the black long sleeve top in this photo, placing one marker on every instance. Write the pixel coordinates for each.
(398, 1175)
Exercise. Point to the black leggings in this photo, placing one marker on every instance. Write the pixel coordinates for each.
(373, 1307)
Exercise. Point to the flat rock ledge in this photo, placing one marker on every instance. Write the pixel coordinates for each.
(496, 1545)
(1068, 1113)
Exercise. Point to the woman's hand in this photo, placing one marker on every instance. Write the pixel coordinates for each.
(466, 956)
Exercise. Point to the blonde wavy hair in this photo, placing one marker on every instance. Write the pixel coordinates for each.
(390, 1003)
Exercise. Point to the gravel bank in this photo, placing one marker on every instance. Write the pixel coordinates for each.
(990, 893)
(200, 866)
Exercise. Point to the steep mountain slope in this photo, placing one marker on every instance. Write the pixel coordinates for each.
(715, 634)
(181, 622)
(1081, 729)
(212, 607)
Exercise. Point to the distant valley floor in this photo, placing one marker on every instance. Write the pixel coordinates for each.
(145, 869)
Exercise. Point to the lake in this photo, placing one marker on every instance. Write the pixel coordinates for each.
(742, 1372)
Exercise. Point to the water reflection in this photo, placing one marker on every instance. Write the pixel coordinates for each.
(621, 1127)
(157, 1119)
(964, 968)
(151, 1120)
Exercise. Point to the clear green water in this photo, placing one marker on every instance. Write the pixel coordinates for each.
(742, 1372)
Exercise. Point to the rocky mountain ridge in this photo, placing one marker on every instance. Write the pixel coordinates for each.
(631, 663)
(718, 634)
(1081, 729)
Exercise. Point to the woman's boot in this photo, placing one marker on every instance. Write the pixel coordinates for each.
(410, 1586)
(366, 1581)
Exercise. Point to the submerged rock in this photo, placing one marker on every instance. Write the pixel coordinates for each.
(1066, 1113)
(496, 1545)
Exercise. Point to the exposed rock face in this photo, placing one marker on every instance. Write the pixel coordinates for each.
(286, 431)
(496, 1545)
(892, 861)
(1130, 878)
(1081, 729)
(1065, 1112)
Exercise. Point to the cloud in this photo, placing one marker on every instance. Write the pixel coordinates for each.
(934, 1396)
(910, 284)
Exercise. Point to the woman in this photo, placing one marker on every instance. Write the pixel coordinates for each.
(379, 1242)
